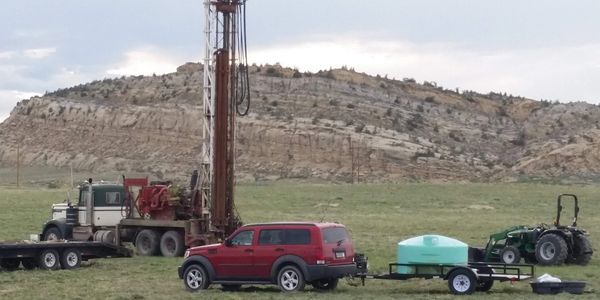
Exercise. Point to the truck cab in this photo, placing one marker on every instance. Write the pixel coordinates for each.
(104, 210)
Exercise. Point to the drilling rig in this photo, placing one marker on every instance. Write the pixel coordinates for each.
(153, 215)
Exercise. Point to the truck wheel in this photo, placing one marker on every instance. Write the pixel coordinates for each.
(551, 249)
(326, 284)
(49, 260)
(290, 279)
(70, 259)
(171, 244)
(10, 264)
(29, 263)
(194, 278)
(462, 282)
(146, 242)
(510, 255)
(583, 250)
(52, 234)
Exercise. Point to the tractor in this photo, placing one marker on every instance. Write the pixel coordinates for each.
(542, 244)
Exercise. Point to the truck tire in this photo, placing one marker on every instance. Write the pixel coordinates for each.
(583, 250)
(551, 249)
(290, 279)
(462, 282)
(510, 255)
(10, 264)
(195, 278)
(49, 260)
(52, 234)
(147, 242)
(484, 285)
(70, 259)
(171, 244)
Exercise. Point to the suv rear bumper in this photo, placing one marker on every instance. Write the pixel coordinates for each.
(316, 272)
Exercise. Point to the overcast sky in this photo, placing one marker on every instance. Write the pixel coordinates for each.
(545, 49)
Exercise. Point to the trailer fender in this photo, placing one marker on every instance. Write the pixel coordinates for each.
(200, 260)
(460, 268)
(65, 229)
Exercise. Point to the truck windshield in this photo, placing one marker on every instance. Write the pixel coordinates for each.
(335, 235)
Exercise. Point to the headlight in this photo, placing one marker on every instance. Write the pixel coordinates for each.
(187, 253)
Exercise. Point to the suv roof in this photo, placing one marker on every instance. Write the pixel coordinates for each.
(317, 224)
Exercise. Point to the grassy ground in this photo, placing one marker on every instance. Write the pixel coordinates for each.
(378, 216)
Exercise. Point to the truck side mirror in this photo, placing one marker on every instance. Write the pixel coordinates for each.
(228, 243)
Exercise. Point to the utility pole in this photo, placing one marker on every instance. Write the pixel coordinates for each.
(18, 163)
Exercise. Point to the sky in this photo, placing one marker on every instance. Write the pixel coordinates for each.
(544, 49)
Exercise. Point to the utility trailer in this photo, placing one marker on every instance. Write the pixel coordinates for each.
(462, 279)
(52, 255)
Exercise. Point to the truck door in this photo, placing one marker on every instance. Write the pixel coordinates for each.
(107, 206)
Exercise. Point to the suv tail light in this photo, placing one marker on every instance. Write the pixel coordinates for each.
(320, 258)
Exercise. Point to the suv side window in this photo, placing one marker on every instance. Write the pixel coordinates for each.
(270, 237)
(297, 237)
(243, 238)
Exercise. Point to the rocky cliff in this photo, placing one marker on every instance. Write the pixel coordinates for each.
(336, 125)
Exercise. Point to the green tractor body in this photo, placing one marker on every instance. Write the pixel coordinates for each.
(543, 244)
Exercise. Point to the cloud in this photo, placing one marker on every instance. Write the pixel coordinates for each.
(7, 54)
(145, 61)
(39, 53)
(8, 100)
(564, 73)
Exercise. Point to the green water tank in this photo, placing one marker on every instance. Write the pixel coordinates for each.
(430, 249)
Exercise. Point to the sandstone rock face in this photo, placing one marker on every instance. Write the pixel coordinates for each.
(336, 125)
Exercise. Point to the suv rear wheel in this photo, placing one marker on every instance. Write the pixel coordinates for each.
(326, 284)
(290, 279)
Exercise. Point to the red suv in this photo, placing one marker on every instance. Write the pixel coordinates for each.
(287, 254)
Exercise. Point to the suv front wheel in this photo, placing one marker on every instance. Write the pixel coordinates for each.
(290, 279)
(195, 278)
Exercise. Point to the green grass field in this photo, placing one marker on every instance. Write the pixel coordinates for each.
(378, 216)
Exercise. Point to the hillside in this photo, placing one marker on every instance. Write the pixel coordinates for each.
(336, 125)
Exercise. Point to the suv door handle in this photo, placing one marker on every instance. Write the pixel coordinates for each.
(279, 249)
(248, 250)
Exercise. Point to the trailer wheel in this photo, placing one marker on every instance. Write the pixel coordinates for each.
(462, 282)
(52, 234)
(551, 249)
(510, 255)
(484, 285)
(171, 244)
(194, 278)
(147, 242)
(49, 260)
(29, 263)
(10, 264)
(70, 259)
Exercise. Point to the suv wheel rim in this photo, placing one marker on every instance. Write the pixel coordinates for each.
(289, 280)
(194, 279)
(461, 283)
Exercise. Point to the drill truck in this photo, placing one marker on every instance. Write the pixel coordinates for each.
(154, 216)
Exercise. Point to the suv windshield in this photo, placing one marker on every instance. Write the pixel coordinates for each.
(334, 235)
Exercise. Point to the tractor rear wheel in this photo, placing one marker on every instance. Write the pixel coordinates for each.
(582, 253)
(551, 249)
(510, 255)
